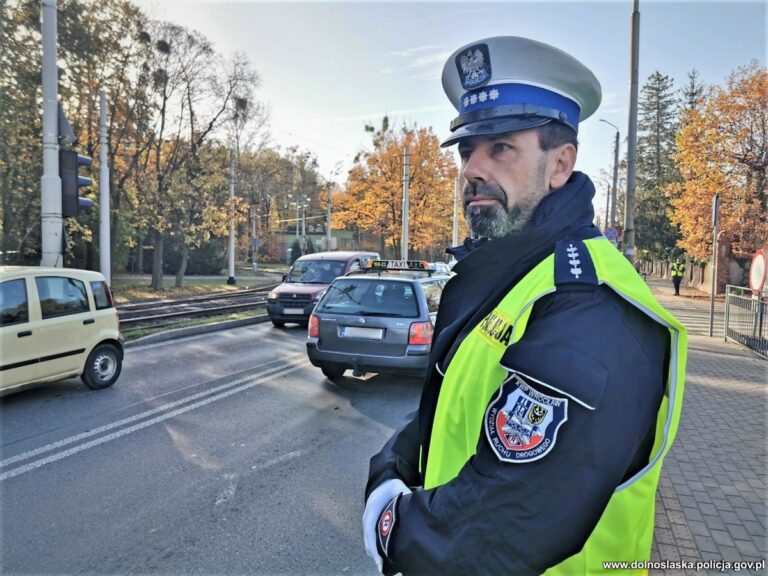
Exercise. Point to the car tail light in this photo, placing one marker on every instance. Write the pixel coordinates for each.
(314, 327)
(420, 333)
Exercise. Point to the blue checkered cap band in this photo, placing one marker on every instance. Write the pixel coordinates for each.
(495, 80)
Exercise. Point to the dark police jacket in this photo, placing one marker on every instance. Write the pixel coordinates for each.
(522, 518)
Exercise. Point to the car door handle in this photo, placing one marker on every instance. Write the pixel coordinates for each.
(25, 333)
(89, 321)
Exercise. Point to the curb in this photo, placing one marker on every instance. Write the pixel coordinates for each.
(194, 331)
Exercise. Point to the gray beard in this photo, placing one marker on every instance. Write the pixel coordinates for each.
(497, 221)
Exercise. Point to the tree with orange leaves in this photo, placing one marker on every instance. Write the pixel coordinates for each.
(373, 198)
(722, 148)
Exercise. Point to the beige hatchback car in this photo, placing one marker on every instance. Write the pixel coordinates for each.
(56, 323)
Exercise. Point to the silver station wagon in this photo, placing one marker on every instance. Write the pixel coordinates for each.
(379, 319)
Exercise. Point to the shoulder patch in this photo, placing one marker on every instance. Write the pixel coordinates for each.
(521, 423)
(573, 263)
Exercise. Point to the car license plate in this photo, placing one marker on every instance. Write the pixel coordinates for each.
(293, 310)
(358, 332)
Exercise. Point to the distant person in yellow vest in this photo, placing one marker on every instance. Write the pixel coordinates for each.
(555, 378)
(678, 270)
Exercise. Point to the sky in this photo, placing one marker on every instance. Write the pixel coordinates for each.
(329, 68)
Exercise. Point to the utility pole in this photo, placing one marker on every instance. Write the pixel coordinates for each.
(298, 216)
(629, 203)
(254, 237)
(105, 261)
(715, 222)
(328, 221)
(607, 204)
(406, 183)
(612, 221)
(304, 224)
(615, 178)
(231, 245)
(456, 195)
(50, 183)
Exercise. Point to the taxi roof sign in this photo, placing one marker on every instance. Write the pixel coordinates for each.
(399, 265)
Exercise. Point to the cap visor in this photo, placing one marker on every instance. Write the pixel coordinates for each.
(491, 127)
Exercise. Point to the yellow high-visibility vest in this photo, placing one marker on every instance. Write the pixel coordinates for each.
(625, 529)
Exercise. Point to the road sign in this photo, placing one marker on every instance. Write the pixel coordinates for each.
(611, 233)
(757, 271)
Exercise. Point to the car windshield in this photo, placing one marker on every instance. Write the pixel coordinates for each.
(315, 271)
(370, 298)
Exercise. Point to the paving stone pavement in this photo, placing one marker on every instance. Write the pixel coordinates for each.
(711, 503)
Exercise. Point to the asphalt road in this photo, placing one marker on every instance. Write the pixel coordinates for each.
(224, 453)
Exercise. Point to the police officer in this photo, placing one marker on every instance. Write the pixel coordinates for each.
(678, 269)
(556, 378)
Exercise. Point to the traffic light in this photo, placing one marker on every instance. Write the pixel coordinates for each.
(71, 182)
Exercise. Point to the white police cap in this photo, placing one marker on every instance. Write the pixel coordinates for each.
(505, 84)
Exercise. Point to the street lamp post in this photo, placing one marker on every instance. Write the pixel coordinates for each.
(615, 175)
(231, 241)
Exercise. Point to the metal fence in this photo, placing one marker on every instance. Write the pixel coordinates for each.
(746, 318)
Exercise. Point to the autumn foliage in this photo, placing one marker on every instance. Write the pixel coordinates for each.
(722, 148)
(372, 201)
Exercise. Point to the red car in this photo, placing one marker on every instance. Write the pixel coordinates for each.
(307, 281)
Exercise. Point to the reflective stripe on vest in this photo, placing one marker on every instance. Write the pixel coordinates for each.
(625, 529)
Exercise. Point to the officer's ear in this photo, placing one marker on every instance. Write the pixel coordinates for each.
(560, 164)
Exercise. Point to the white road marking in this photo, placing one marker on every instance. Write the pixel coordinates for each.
(278, 460)
(115, 435)
(229, 491)
(136, 417)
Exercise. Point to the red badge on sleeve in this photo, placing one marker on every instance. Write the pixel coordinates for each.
(386, 525)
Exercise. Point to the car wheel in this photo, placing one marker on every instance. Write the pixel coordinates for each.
(102, 367)
(333, 371)
(278, 324)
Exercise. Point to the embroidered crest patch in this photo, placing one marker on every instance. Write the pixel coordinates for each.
(521, 423)
(474, 66)
(386, 524)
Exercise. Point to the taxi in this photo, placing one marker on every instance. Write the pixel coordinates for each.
(379, 319)
(56, 323)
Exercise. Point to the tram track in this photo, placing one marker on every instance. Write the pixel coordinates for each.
(166, 313)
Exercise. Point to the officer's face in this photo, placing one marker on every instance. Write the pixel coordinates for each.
(506, 175)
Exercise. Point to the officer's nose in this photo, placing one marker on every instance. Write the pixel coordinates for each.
(475, 165)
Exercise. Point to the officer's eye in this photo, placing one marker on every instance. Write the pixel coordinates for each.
(499, 147)
(465, 153)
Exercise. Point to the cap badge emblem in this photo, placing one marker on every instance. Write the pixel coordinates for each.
(474, 66)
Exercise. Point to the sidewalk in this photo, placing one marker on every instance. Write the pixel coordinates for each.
(711, 504)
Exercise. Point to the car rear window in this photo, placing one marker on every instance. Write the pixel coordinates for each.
(60, 296)
(14, 308)
(315, 271)
(101, 295)
(370, 297)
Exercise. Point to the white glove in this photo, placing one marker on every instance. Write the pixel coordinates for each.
(377, 501)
